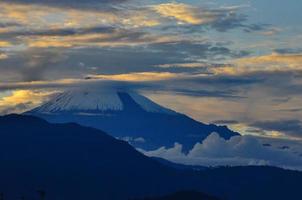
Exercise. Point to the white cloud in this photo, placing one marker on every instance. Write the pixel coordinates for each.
(173, 154)
(131, 140)
(139, 139)
(240, 150)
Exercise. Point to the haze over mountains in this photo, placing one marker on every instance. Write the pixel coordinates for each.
(129, 116)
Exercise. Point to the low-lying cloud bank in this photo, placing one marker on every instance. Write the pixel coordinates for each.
(238, 151)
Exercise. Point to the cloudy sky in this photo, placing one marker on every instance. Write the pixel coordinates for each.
(233, 62)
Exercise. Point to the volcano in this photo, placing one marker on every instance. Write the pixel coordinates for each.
(128, 116)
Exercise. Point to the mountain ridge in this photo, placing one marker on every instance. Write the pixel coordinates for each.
(70, 161)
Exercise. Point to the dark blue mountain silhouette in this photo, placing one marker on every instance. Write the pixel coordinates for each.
(69, 161)
(183, 195)
(74, 162)
(179, 166)
(138, 118)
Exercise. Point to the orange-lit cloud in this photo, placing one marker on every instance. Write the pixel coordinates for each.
(45, 16)
(38, 18)
(271, 62)
(23, 96)
(184, 13)
(5, 44)
(273, 59)
(20, 100)
(139, 77)
(114, 39)
(3, 56)
(41, 84)
(35, 18)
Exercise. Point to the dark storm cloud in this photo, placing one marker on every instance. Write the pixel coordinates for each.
(256, 27)
(149, 86)
(54, 63)
(224, 22)
(289, 87)
(232, 20)
(113, 34)
(288, 51)
(32, 65)
(286, 83)
(229, 80)
(229, 21)
(281, 99)
(292, 110)
(59, 63)
(238, 86)
(200, 49)
(215, 86)
(124, 59)
(292, 127)
(125, 36)
(206, 93)
(191, 48)
(74, 83)
(58, 32)
(8, 24)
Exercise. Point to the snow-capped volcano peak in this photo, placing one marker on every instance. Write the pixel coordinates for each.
(127, 115)
(93, 101)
